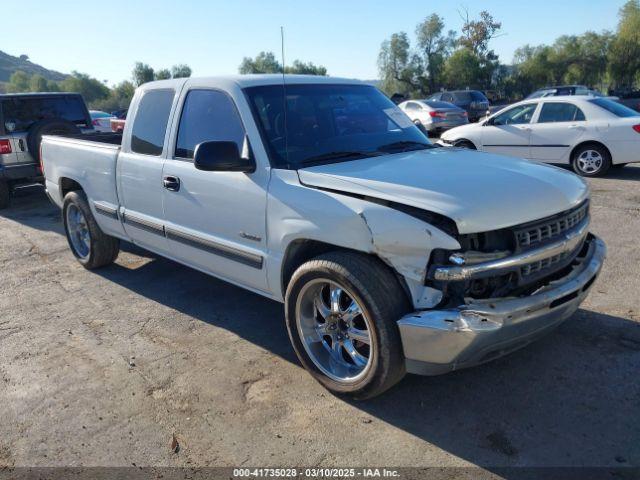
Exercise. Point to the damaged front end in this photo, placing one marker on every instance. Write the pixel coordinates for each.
(502, 290)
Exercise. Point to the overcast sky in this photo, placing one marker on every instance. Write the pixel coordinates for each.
(104, 38)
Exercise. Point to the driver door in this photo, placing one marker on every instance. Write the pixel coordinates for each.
(509, 133)
(215, 221)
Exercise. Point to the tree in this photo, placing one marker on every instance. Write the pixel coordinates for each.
(24, 58)
(462, 69)
(90, 88)
(264, 62)
(625, 48)
(476, 34)
(162, 74)
(119, 97)
(180, 71)
(302, 68)
(400, 69)
(37, 83)
(18, 82)
(434, 47)
(142, 73)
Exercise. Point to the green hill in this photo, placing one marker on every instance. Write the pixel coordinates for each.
(9, 64)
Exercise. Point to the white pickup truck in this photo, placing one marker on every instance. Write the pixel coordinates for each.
(390, 255)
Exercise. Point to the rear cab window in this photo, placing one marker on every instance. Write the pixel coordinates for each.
(150, 122)
(556, 112)
(20, 113)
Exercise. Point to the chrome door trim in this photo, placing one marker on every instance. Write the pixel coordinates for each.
(249, 259)
(106, 210)
(143, 224)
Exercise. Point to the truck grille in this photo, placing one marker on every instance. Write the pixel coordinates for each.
(548, 229)
(544, 264)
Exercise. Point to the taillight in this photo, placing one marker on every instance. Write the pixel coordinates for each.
(636, 128)
(96, 123)
(437, 114)
(5, 147)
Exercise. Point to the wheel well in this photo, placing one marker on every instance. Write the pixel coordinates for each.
(299, 252)
(464, 140)
(592, 143)
(68, 185)
(303, 250)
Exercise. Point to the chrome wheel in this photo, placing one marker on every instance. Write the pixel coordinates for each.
(590, 161)
(334, 330)
(78, 231)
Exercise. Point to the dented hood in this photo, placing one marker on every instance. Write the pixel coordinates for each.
(479, 191)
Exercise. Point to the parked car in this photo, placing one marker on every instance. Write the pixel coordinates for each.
(24, 119)
(101, 121)
(433, 115)
(565, 90)
(390, 255)
(473, 101)
(589, 133)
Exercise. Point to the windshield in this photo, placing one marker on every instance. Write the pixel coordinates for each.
(616, 108)
(330, 123)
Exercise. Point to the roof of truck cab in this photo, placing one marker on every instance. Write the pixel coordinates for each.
(257, 80)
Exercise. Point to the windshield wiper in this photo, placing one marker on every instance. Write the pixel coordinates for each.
(339, 155)
(404, 146)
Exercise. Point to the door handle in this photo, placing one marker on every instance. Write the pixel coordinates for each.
(525, 129)
(576, 127)
(171, 183)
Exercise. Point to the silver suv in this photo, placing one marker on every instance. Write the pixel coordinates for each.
(24, 119)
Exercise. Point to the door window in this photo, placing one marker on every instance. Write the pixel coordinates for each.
(150, 123)
(208, 115)
(516, 116)
(560, 112)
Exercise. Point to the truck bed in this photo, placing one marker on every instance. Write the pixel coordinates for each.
(89, 160)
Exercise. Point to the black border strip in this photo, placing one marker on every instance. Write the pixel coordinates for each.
(248, 259)
(106, 211)
(143, 224)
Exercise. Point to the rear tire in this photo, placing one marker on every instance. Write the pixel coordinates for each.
(591, 160)
(89, 244)
(5, 194)
(355, 354)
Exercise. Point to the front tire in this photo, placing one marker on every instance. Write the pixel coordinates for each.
(591, 161)
(89, 244)
(341, 313)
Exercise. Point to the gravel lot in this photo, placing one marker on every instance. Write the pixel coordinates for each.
(104, 368)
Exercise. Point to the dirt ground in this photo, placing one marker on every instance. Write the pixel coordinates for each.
(104, 368)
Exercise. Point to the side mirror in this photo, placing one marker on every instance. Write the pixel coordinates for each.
(221, 157)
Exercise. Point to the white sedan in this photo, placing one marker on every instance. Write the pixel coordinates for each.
(589, 133)
(101, 120)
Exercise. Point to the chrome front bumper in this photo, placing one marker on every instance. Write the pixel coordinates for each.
(439, 341)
